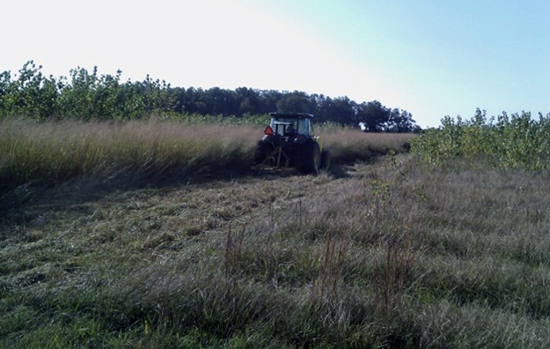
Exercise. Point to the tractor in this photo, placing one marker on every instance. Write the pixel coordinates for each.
(288, 142)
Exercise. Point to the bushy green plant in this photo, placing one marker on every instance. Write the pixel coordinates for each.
(518, 141)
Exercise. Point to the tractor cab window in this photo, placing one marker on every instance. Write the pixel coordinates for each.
(304, 127)
(284, 127)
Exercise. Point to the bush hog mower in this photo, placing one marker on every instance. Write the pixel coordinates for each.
(288, 142)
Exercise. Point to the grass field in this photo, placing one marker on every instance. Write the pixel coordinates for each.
(35, 156)
(382, 254)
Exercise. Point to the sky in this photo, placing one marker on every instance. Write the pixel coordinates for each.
(430, 57)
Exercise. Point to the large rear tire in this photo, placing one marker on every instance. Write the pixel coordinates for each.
(325, 160)
(262, 151)
(311, 158)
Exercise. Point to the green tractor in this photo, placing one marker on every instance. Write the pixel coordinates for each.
(289, 142)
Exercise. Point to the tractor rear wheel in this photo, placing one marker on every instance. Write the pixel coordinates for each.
(325, 160)
(311, 158)
(262, 151)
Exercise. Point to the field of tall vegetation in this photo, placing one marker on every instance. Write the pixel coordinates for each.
(155, 152)
(515, 141)
(395, 253)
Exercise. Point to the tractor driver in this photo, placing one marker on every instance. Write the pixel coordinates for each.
(290, 129)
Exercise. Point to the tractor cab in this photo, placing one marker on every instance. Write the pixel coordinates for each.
(291, 124)
(288, 141)
(292, 127)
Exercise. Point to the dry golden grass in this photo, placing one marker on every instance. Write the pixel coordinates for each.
(348, 145)
(43, 155)
(50, 153)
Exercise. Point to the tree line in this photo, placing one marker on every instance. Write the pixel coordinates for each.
(88, 95)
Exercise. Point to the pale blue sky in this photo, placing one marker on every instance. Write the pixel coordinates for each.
(432, 58)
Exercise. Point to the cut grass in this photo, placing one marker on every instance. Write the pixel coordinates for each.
(390, 254)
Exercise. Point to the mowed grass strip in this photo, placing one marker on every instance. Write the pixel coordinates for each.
(394, 254)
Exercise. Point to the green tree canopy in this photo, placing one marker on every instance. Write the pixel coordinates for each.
(89, 95)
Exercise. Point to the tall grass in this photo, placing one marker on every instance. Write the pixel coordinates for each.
(47, 154)
(51, 153)
(348, 145)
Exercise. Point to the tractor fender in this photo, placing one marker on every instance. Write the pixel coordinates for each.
(318, 140)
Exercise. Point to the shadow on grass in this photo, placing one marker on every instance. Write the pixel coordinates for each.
(23, 203)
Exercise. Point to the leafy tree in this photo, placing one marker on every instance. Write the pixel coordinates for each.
(220, 101)
(7, 94)
(269, 100)
(400, 121)
(375, 116)
(130, 104)
(294, 102)
(88, 95)
(248, 100)
(76, 96)
(29, 94)
(158, 96)
(341, 110)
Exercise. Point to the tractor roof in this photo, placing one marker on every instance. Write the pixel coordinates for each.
(291, 115)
